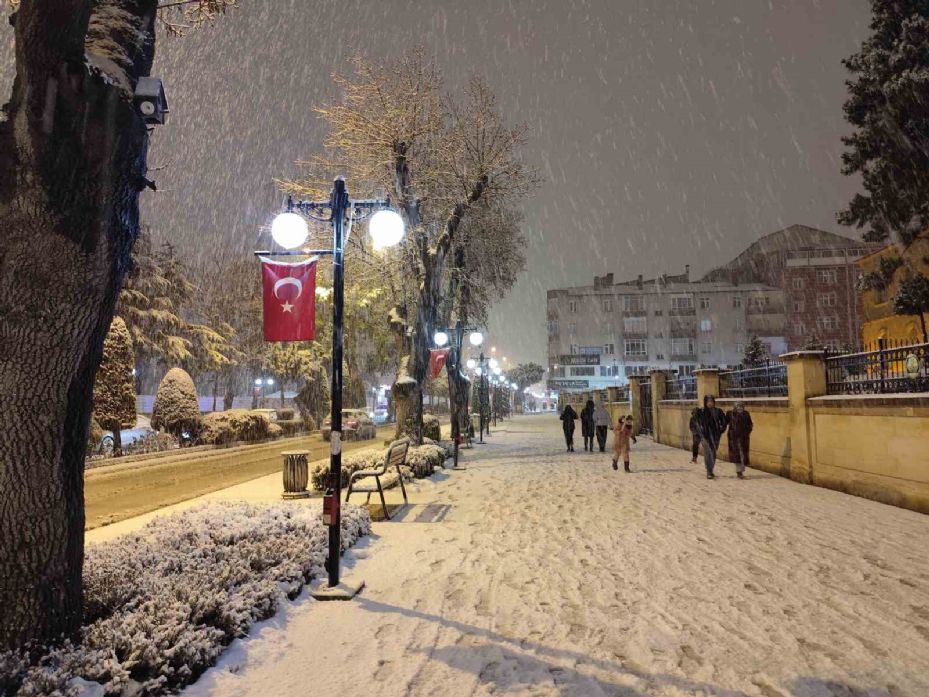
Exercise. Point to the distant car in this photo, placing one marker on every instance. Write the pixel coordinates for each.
(127, 437)
(356, 425)
(379, 416)
(270, 414)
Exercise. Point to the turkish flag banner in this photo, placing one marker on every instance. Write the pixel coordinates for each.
(289, 292)
(437, 359)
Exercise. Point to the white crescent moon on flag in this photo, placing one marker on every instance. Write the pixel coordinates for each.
(288, 281)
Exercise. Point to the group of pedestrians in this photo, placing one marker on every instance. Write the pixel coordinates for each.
(595, 423)
(707, 426)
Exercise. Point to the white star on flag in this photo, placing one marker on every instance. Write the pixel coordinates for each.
(287, 307)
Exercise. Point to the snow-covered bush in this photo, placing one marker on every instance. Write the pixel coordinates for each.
(369, 459)
(162, 603)
(221, 427)
(290, 427)
(425, 458)
(285, 414)
(114, 386)
(431, 427)
(176, 409)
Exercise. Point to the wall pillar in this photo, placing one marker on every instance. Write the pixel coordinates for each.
(659, 380)
(707, 383)
(635, 399)
(806, 377)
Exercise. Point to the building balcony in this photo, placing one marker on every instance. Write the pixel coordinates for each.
(682, 312)
(635, 313)
(684, 356)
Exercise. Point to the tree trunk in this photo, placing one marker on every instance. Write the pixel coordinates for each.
(922, 321)
(215, 390)
(72, 154)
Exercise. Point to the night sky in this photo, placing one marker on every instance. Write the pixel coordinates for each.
(667, 131)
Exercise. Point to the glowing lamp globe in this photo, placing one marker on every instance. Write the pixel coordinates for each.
(476, 338)
(289, 230)
(270, 381)
(257, 381)
(494, 364)
(497, 370)
(472, 364)
(440, 338)
(386, 229)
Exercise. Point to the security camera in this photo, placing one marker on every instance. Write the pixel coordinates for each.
(150, 100)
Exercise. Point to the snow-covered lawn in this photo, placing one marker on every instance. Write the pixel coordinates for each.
(536, 572)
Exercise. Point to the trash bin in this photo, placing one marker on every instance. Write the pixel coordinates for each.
(296, 474)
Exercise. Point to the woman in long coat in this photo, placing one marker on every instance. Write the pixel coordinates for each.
(568, 417)
(587, 425)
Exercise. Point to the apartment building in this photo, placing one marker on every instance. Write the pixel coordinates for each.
(601, 334)
(818, 273)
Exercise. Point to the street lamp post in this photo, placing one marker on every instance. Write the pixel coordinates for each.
(290, 231)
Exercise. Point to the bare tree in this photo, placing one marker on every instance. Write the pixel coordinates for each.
(439, 156)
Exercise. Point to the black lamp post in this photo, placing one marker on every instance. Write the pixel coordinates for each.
(387, 233)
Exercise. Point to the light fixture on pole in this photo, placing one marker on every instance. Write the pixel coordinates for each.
(472, 364)
(440, 338)
(289, 230)
(476, 338)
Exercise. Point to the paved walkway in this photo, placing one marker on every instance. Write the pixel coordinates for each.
(537, 572)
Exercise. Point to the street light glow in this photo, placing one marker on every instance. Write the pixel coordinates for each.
(289, 230)
(440, 338)
(269, 381)
(258, 381)
(476, 338)
(386, 229)
(472, 364)
(494, 364)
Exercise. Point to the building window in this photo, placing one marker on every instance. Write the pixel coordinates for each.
(573, 327)
(759, 302)
(572, 306)
(682, 303)
(706, 325)
(828, 299)
(828, 323)
(640, 370)
(659, 356)
(573, 349)
(706, 346)
(704, 303)
(635, 325)
(635, 347)
(683, 346)
(799, 305)
(799, 329)
(583, 371)
(737, 301)
(590, 350)
(657, 313)
(739, 323)
(609, 349)
(798, 283)
(740, 349)
(607, 305)
(633, 303)
(826, 277)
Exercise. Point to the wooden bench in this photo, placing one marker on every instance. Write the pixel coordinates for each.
(395, 457)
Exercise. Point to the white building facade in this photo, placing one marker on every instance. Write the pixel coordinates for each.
(599, 335)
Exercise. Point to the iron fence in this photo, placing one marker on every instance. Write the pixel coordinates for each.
(768, 380)
(886, 367)
(681, 387)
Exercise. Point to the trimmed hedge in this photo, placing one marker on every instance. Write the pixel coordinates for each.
(421, 462)
(161, 604)
(236, 425)
(431, 427)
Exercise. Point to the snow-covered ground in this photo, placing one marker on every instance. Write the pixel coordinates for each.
(536, 572)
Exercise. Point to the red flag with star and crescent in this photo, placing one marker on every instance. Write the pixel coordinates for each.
(289, 300)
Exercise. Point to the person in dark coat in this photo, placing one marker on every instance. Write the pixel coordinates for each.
(694, 435)
(568, 417)
(601, 424)
(711, 423)
(587, 425)
(740, 429)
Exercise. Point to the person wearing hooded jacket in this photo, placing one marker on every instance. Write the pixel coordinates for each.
(601, 424)
(568, 417)
(740, 429)
(587, 425)
(711, 424)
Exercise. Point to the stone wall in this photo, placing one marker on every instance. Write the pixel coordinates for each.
(875, 446)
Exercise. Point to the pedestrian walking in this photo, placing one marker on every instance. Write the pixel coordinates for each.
(622, 435)
(587, 425)
(568, 417)
(601, 424)
(694, 435)
(740, 429)
(711, 423)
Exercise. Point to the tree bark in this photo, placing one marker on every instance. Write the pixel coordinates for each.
(72, 154)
